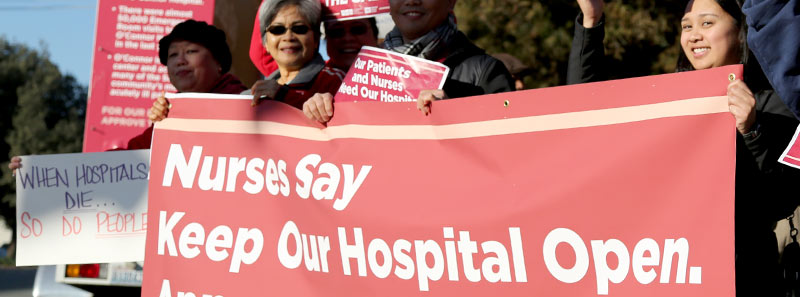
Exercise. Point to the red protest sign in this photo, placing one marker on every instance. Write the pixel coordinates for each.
(791, 156)
(353, 9)
(599, 192)
(126, 72)
(381, 75)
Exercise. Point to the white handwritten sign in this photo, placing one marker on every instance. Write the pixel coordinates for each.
(82, 208)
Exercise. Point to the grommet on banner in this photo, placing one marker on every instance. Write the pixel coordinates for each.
(506, 103)
(731, 77)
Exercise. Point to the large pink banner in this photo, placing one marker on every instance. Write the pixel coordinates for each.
(126, 72)
(620, 188)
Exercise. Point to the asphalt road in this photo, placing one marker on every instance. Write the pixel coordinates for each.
(16, 281)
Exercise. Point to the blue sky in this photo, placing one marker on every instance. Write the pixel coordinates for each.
(64, 27)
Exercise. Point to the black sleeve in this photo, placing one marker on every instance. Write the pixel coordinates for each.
(773, 35)
(496, 78)
(477, 75)
(776, 126)
(587, 56)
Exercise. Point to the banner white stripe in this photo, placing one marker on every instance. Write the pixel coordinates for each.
(571, 120)
(791, 158)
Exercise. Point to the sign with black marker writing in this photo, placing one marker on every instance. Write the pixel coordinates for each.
(82, 208)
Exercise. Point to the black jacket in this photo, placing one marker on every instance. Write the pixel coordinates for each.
(587, 57)
(472, 71)
(765, 189)
(773, 35)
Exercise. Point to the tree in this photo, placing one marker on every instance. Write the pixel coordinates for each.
(641, 36)
(43, 113)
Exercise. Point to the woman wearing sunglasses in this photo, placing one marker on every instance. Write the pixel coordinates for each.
(713, 34)
(345, 39)
(290, 34)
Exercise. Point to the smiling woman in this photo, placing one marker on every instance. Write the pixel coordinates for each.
(290, 31)
(196, 55)
(713, 34)
(197, 59)
(191, 67)
(290, 40)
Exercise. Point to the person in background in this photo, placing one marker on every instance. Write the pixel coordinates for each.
(713, 34)
(517, 69)
(291, 35)
(345, 39)
(427, 29)
(198, 60)
(774, 37)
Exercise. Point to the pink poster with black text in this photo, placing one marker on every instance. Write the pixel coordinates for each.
(126, 71)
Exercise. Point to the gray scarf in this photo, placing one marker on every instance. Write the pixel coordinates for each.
(429, 46)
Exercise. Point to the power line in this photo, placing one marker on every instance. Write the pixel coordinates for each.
(44, 7)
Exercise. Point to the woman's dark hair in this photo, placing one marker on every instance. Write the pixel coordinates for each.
(374, 25)
(753, 75)
(203, 34)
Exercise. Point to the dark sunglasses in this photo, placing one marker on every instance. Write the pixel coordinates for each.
(280, 29)
(339, 32)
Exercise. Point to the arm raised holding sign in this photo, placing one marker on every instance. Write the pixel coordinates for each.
(592, 12)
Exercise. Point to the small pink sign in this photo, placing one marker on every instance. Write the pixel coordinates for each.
(381, 75)
(791, 156)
